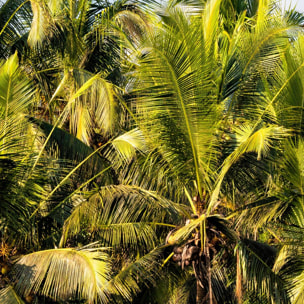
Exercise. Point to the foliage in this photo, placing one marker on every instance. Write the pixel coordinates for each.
(151, 153)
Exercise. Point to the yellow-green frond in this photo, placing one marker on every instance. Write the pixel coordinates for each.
(62, 274)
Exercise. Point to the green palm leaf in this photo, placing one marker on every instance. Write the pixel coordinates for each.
(129, 216)
(177, 118)
(256, 261)
(142, 270)
(14, 18)
(64, 273)
(251, 139)
(70, 148)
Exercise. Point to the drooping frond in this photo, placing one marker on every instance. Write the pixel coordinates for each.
(14, 19)
(126, 145)
(64, 273)
(122, 215)
(92, 105)
(41, 24)
(257, 260)
(289, 262)
(255, 215)
(70, 148)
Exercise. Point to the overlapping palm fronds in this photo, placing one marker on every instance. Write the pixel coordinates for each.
(14, 20)
(182, 172)
(194, 90)
(15, 146)
(121, 223)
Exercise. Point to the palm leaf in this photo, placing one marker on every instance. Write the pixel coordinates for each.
(17, 150)
(93, 107)
(251, 139)
(14, 18)
(41, 23)
(290, 109)
(177, 116)
(70, 148)
(137, 274)
(125, 146)
(64, 273)
(9, 296)
(210, 23)
(129, 216)
(256, 261)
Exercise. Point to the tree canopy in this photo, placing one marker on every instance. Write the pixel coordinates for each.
(151, 152)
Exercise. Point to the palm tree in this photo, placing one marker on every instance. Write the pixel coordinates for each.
(44, 177)
(80, 40)
(31, 171)
(281, 217)
(64, 44)
(201, 105)
(206, 110)
(22, 187)
(207, 122)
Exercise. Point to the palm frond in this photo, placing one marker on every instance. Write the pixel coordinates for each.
(15, 90)
(258, 139)
(122, 215)
(293, 163)
(93, 107)
(260, 212)
(137, 274)
(41, 24)
(257, 260)
(290, 109)
(289, 264)
(17, 150)
(69, 147)
(178, 119)
(210, 23)
(64, 273)
(9, 296)
(14, 20)
(177, 288)
(294, 17)
(126, 145)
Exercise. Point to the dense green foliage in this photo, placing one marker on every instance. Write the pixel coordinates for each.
(151, 152)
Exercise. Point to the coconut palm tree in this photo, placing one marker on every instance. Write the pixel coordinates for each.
(281, 217)
(64, 44)
(197, 93)
(33, 180)
(206, 109)
(22, 187)
(83, 40)
(78, 86)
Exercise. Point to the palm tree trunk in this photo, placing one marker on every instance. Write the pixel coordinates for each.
(202, 296)
(208, 266)
(200, 293)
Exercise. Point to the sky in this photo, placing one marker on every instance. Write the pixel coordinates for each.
(299, 4)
